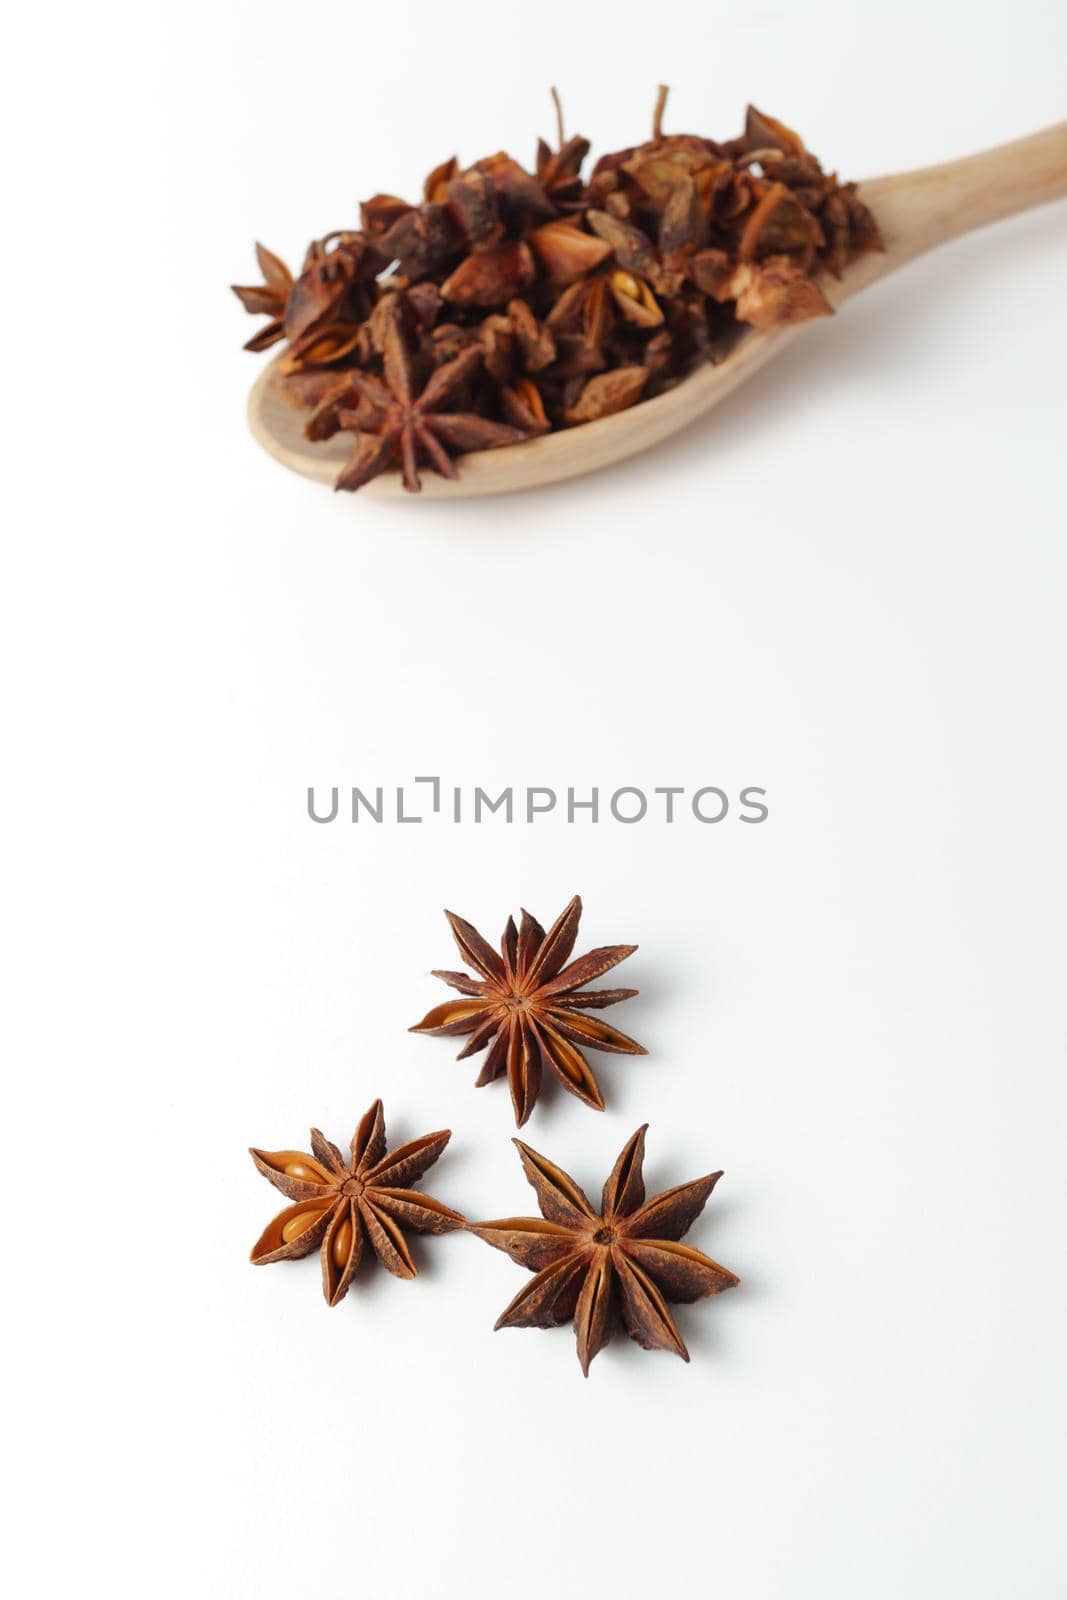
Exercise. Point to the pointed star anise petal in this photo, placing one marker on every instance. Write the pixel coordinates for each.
(269, 298)
(496, 1061)
(387, 1241)
(408, 1162)
(587, 967)
(265, 338)
(592, 999)
(459, 980)
(644, 1311)
(678, 1270)
(413, 1209)
(258, 299)
(531, 938)
(560, 1199)
(370, 388)
(272, 1246)
(600, 1035)
(325, 1151)
(463, 430)
(372, 455)
(309, 1180)
(762, 131)
(509, 947)
(475, 950)
(368, 1141)
(447, 379)
(273, 268)
(549, 1300)
(430, 449)
(342, 1252)
(531, 1241)
(523, 1069)
(592, 1315)
(451, 1017)
(570, 1066)
(557, 944)
(624, 1190)
(672, 1214)
(483, 1032)
(396, 356)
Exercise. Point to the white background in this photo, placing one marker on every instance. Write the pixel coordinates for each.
(847, 586)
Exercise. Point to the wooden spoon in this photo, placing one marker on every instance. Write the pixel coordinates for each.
(915, 210)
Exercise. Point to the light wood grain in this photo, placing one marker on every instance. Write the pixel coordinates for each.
(916, 211)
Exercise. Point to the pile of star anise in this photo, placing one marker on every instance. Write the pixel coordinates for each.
(510, 303)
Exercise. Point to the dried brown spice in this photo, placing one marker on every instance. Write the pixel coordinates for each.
(269, 299)
(623, 1263)
(527, 1006)
(564, 299)
(394, 418)
(339, 1204)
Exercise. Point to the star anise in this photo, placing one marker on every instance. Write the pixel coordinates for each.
(398, 422)
(523, 302)
(338, 1204)
(527, 1006)
(624, 1262)
(269, 298)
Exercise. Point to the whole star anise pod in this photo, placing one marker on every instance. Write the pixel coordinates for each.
(623, 1263)
(397, 421)
(527, 1006)
(339, 1204)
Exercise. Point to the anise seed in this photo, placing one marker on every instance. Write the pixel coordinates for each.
(341, 1248)
(301, 1170)
(299, 1224)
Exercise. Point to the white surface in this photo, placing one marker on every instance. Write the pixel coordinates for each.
(847, 587)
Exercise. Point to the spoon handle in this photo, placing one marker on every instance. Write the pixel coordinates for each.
(920, 210)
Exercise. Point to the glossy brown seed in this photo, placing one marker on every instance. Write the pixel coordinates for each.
(341, 1247)
(299, 1224)
(303, 1170)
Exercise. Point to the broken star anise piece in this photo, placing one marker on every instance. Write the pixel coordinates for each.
(340, 1204)
(398, 422)
(623, 1263)
(269, 298)
(527, 1005)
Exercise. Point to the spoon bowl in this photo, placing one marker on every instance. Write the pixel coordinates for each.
(916, 211)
